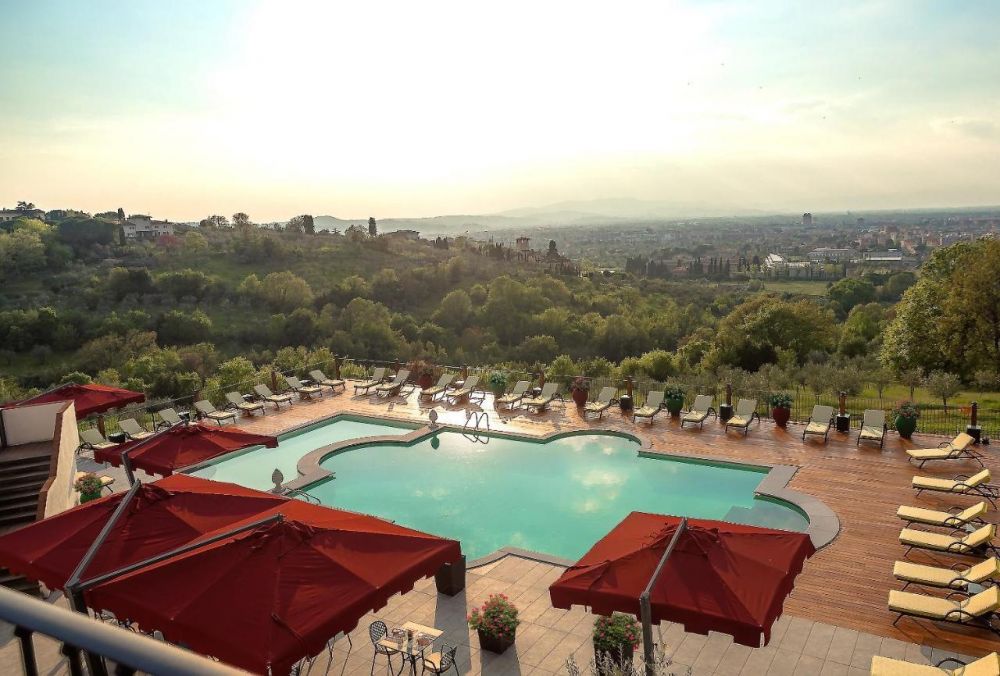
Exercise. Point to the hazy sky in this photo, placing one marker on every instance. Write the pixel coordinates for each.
(186, 108)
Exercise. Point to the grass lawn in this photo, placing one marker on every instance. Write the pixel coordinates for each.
(804, 287)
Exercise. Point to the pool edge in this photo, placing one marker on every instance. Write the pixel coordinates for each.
(824, 524)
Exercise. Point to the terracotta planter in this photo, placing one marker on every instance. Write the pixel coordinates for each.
(674, 406)
(580, 397)
(494, 644)
(621, 655)
(780, 414)
(905, 426)
(425, 380)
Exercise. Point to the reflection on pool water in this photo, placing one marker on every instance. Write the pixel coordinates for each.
(558, 497)
(253, 468)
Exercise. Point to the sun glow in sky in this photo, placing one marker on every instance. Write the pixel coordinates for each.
(187, 108)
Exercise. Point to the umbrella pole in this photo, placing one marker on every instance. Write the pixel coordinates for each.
(645, 608)
(127, 462)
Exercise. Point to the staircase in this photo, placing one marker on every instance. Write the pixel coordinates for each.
(22, 474)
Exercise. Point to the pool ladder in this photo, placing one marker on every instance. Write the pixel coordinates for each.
(475, 422)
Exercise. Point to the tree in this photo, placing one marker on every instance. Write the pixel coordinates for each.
(242, 223)
(308, 224)
(912, 378)
(20, 251)
(881, 378)
(943, 384)
(372, 227)
(850, 292)
(195, 243)
(181, 328)
(285, 291)
(454, 311)
(24, 206)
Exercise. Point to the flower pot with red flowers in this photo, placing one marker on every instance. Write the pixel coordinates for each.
(906, 415)
(615, 640)
(673, 399)
(426, 374)
(580, 389)
(89, 487)
(781, 408)
(496, 623)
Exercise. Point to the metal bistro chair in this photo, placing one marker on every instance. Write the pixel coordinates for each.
(378, 631)
(442, 661)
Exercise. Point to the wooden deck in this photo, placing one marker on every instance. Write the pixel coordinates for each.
(847, 583)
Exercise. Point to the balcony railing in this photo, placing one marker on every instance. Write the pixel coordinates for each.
(111, 649)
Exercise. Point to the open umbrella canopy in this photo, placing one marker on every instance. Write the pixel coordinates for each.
(264, 599)
(721, 576)
(162, 516)
(89, 399)
(181, 446)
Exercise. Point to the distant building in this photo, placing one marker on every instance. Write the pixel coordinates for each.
(523, 244)
(889, 256)
(823, 254)
(144, 227)
(807, 218)
(12, 214)
(775, 261)
(409, 235)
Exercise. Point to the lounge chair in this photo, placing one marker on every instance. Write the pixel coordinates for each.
(304, 391)
(168, 418)
(93, 440)
(467, 391)
(699, 411)
(746, 411)
(978, 610)
(542, 401)
(320, 379)
(976, 543)
(977, 484)
(954, 519)
(873, 427)
(515, 396)
(378, 375)
(984, 666)
(132, 429)
(985, 573)
(956, 449)
(265, 394)
(207, 410)
(391, 389)
(237, 401)
(819, 422)
(653, 405)
(438, 390)
(602, 404)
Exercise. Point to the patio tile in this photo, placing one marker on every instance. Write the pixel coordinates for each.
(808, 666)
(783, 663)
(733, 660)
(819, 640)
(796, 635)
(842, 646)
(759, 661)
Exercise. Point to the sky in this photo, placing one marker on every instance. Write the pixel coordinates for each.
(188, 108)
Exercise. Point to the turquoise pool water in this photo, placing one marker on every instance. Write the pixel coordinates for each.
(557, 498)
(254, 467)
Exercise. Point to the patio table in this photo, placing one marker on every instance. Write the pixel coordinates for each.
(412, 651)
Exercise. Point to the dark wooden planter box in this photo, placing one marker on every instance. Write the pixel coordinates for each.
(625, 402)
(725, 412)
(450, 578)
(844, 422)
(493, 643)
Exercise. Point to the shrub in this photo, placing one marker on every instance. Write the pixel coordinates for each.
(907, 410)
(780, 400)
(611, 633)
(673, 392)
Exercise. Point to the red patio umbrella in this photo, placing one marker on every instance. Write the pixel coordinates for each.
(720, 576)
(160, 517)
(89, 399)
(264, 599)
(182, 446)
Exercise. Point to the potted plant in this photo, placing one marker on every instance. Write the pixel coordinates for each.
(89, 487)
(580, 388)
(615, 640)
(425, 374)
(673, 399)
(498, 383)
(495, 622)
(781, 408)
(906, 415)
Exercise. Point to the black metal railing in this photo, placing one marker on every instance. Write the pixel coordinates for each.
(111, 649)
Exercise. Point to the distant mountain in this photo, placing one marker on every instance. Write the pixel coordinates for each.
(562, 214)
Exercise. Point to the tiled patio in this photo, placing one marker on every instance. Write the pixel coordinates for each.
(835, 619)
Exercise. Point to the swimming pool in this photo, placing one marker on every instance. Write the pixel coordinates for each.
(253, 468)
(557, 497)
